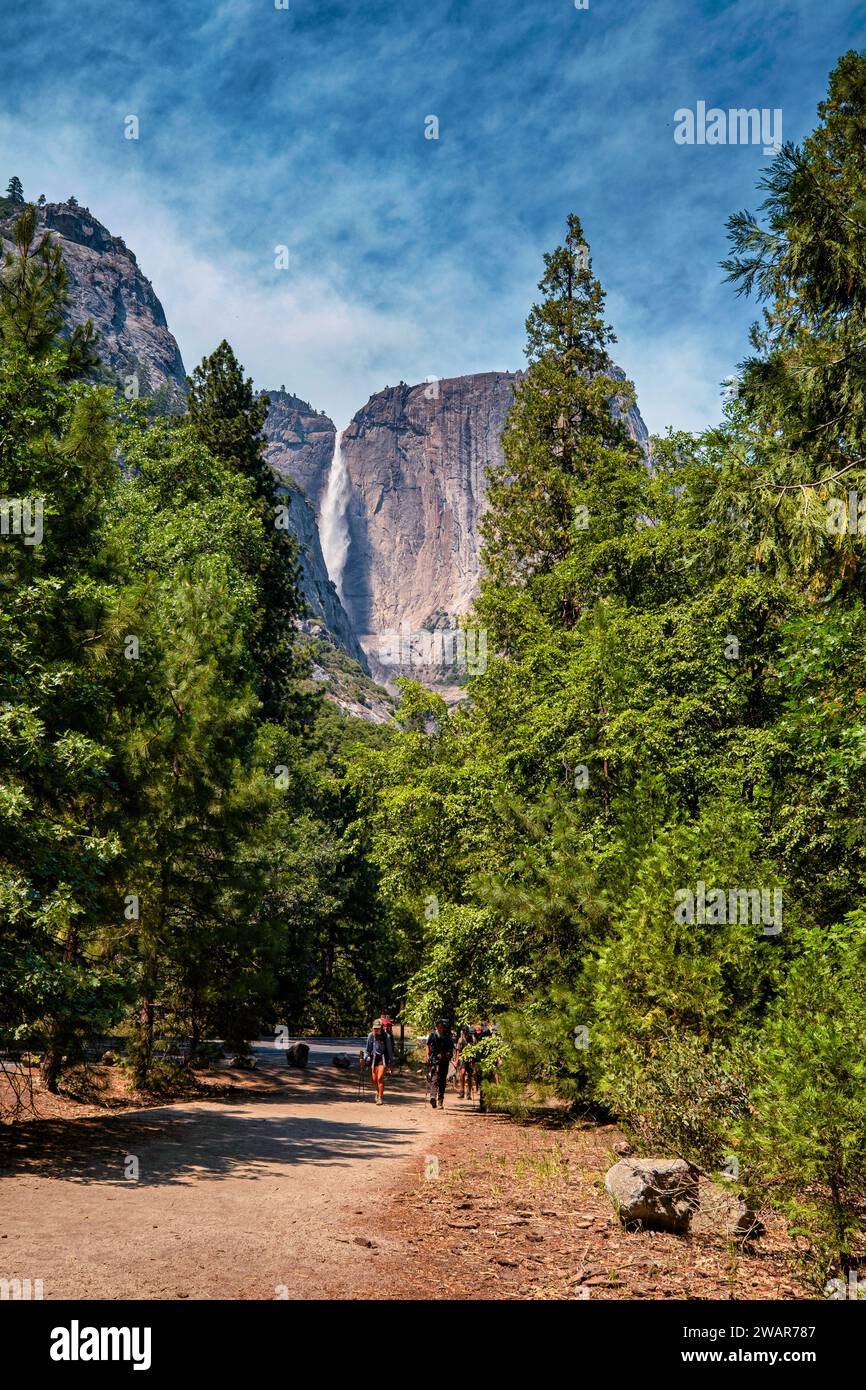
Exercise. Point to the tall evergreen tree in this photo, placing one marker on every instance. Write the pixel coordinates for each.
(15, 190)
(228, 418)
(568, 488)
(60, 670)
(800, 421)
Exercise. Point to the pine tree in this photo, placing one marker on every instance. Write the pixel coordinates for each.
(808, 1138)
(33, 296)
(800, 418)
(199, 788)
(15, 191)
(569, 482)
(228, 418)
(60, 675)
(196, 799)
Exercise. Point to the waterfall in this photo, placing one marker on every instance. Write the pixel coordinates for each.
(334, 519)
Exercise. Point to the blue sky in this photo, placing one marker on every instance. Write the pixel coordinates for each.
(409, 257)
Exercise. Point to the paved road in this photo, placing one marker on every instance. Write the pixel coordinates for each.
(261, 1196)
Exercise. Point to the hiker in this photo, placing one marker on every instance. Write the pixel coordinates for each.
(440, 1050)
(378, 1054)
(465, 1065)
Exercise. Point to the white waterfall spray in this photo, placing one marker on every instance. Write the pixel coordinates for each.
(334, 519)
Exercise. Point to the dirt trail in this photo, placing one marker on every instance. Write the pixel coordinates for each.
(264, 1196)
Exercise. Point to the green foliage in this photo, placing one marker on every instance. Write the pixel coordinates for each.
(808, 1136)
(155, 867)
(227, 418)
(61, 673)
(463, 951)
(675, 697)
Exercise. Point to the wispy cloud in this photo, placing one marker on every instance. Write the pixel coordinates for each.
(411, 257)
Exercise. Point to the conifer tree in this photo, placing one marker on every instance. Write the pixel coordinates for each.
(60, 672)
(800, 418)
(228, 418)
(32, 298)
(15, 191)
(569, 483)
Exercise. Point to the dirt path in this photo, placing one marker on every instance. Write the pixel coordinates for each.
(293, 1188)
(264, 1196)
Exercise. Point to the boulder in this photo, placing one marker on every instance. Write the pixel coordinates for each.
(297, 1054)
(342, 1059)
(657, 1192)
(723, 1210)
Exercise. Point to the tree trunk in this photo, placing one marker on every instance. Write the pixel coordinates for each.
(52, 1062)
(144, 1043)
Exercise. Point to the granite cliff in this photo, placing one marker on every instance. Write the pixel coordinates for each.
(301, 442)
(416, 459)
(412, 466)
(107, 286)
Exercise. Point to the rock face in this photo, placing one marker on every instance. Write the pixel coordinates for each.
(107, 286)
(300, 443)
(326, 615)
(300, 449)
(657, 1192)
(417, 458)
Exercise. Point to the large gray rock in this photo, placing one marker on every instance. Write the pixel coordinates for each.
(300, 443)
(657, 1192)
(723, 1209)
(297, 1055)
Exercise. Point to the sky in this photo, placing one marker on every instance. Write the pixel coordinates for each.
(409, 257)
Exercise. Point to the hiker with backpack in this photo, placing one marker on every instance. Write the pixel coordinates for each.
(378, 1054)
(465, 1065)
(440, 1050)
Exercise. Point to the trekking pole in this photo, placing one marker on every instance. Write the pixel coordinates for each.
(362, 1080)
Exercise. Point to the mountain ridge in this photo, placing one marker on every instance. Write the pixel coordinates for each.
(416, 456)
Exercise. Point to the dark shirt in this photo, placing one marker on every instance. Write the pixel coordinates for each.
(440, 1046)
(379, 1051)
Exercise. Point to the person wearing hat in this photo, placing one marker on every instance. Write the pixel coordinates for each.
(378, 1054)
(440, 1049)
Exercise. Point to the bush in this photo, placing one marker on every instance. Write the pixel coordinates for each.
(679, 1004)
(807, 1139)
